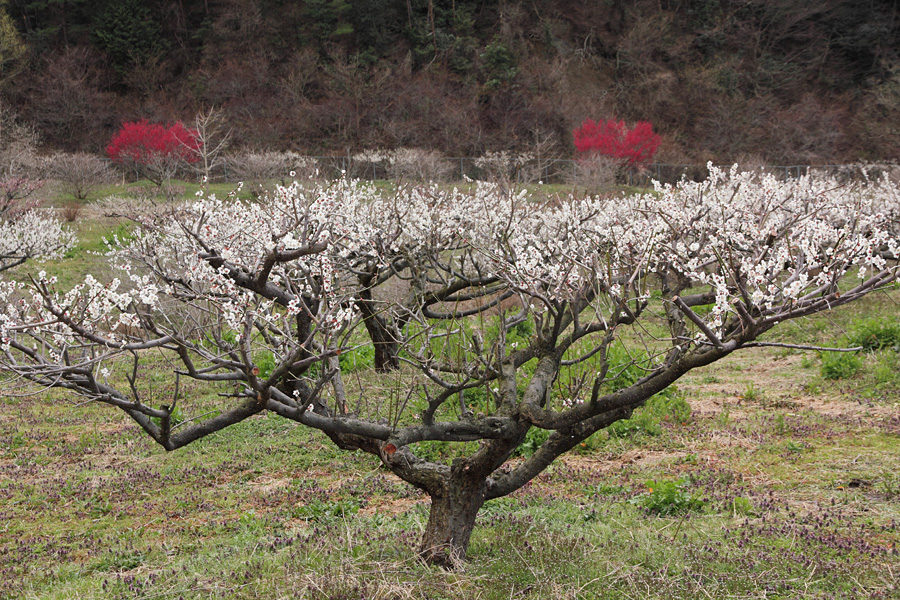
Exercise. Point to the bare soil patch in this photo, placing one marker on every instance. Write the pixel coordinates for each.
(778, 382)
(638, 457)
(391, 507)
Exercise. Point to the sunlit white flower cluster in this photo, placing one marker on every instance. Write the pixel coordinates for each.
(750, 238)
(33, 234)
(310, 250)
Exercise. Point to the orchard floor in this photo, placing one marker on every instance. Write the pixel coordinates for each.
(782, 485)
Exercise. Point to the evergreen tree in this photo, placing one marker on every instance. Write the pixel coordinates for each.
(12, 48)
(128, 33)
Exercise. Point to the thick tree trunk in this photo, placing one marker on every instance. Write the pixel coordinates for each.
(387, 350)
(451, 520)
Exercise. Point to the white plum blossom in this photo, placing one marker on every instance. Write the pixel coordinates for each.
(32, 235)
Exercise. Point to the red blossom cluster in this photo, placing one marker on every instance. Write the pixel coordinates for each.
(143, 143)
(633, 147)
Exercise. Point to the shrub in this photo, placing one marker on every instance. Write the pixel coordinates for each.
(415, 164)
(665, 407)
(257, 168)
(533, 440)
(18, 145)
(154, 150)
(875, 334)
(419, 165)
(595, 171)
(71, 211)
(633, 148)
(78, 174)
(502, 166)
(667, 498)
(16, 196)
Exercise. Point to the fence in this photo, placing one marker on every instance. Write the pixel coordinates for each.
(548, 170)
(551, 170)
(555, 170)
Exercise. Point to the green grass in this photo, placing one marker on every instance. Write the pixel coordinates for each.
(791, 504)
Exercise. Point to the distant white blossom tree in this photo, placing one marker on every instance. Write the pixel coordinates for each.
(490, 314)
(26, 232)
(32, 235)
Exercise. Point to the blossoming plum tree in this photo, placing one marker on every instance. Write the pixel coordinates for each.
(26, 232)
(267, 300)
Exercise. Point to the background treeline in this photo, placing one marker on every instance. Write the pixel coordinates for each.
(752, 80)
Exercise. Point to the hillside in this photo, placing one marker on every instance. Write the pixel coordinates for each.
(776, 81)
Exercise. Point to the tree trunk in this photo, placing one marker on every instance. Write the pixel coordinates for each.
(387, 348)
(387, 356)
(452, 518)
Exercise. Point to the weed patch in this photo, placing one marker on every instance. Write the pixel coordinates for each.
(667, 498)
(840, 365)
(875, 334)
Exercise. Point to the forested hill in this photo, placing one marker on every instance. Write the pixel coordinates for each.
(777, 81)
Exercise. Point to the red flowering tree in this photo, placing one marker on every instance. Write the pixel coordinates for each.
(630, 148)
(156, 151)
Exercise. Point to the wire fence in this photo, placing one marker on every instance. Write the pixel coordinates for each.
(269, 166)
(553, 170)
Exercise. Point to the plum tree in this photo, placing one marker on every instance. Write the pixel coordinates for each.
(32, 235)
(490, 313)
(26, 232)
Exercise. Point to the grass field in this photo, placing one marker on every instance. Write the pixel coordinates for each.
(782, 481)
